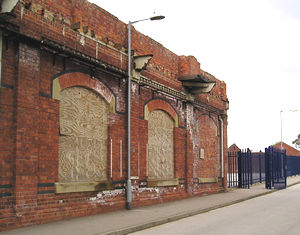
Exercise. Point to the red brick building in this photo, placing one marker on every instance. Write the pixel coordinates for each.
(290, 151)
(233, 148)
(63, 116)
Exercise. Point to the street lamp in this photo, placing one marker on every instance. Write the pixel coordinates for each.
(129, 192)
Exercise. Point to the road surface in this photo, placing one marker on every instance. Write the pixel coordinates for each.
(276, 213)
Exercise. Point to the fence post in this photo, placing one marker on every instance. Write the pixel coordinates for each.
(285, 167)
(239, 169)
(230, 168)
(259, 165)
(267, 169)
(249, 154)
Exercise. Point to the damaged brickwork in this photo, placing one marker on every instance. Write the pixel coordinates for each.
(52, 47)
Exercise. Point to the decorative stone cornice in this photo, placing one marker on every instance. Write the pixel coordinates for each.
(146, 81)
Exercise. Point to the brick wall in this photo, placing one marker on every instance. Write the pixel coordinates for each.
(40, 45)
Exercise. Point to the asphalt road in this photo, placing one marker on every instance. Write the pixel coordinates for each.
(276, 213)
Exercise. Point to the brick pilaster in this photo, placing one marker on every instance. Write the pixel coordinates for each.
(27, 139)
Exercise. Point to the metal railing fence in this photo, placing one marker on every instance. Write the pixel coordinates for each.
(246, 168)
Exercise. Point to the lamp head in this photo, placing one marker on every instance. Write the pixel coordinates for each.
(159, 17)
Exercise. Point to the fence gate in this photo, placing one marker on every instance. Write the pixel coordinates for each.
(276, 168)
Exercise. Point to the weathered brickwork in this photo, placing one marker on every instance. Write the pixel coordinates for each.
(50, 46)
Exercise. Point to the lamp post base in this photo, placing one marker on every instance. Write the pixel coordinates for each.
(128, 206)
(129, 195)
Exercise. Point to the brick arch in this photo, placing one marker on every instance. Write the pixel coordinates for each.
(212, 122)
(206, 114)
(72, 79)
(161, 104)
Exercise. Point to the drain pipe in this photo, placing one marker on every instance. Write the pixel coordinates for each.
(0, 56)
(222, 148)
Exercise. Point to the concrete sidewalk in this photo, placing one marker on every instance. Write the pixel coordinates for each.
(123, 222)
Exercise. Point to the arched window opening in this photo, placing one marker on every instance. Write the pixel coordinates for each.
(161, 146)
(83, 136)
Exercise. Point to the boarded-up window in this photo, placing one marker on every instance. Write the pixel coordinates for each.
(83, 136)
(160, 144)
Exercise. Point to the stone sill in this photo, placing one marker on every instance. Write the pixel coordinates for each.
(161, 183)
(73, 187)
(207, 180)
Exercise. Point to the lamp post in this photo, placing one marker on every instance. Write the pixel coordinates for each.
(281, 129)
(129, 190)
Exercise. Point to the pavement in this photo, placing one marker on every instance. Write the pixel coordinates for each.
(128, 221)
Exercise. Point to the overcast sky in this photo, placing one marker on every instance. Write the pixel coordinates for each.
(252, 45)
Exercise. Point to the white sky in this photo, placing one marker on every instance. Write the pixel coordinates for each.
(252, 45)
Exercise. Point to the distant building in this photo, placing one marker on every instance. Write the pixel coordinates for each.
(233, 148)
(290, 151)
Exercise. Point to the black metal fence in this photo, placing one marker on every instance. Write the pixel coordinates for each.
(232, 176)
(246, 168)
(258, 167)
(293, 165)
(276, 168)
